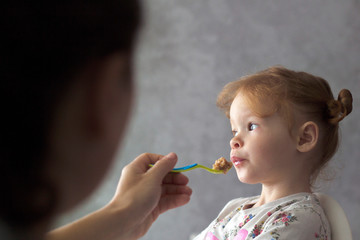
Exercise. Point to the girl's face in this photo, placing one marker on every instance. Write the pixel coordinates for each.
(262, 149)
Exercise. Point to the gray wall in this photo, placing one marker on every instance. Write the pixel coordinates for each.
(189, 49)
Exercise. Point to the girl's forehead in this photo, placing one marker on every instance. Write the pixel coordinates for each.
(262, 105)
(240, 108)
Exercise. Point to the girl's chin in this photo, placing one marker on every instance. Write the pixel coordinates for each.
(246, 179)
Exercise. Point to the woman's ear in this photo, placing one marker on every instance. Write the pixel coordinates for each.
(108, 95)
(89, 122)
(308, 136)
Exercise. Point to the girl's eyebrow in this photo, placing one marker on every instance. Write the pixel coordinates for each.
(244, 116)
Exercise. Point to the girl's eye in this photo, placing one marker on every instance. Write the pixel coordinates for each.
(252, 126)
(234, 133)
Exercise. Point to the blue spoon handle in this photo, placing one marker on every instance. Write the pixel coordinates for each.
(185, 167)
(194, 166)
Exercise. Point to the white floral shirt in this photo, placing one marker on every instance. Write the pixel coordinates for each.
(297, 216)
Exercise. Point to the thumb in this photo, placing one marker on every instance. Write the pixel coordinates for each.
(164, 166)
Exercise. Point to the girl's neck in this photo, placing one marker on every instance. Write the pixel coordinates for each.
(271, 193)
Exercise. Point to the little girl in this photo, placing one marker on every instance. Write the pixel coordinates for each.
(285, 130)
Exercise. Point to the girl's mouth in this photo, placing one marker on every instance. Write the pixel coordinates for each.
(236, 160)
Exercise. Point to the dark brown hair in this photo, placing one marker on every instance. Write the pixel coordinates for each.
(43, 44)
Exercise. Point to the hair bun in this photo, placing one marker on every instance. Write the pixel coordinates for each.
(338, 109)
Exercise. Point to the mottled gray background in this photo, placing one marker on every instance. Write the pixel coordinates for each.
(189, 49)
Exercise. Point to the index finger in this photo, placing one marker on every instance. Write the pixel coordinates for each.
(143, 160)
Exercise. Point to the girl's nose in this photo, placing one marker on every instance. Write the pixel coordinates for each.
(236, 143)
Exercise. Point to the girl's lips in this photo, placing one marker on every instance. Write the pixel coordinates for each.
(236, 160)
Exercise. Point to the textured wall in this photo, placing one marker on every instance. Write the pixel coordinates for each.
(189, 49)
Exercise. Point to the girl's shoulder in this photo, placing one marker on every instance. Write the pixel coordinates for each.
(297, 214)
(301, 208)
(304, 207)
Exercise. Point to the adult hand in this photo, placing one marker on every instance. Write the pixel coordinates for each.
(141, 196)
(146, 193)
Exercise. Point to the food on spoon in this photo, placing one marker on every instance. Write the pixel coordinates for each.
(222, 165)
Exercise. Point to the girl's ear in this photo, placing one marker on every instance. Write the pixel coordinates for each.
(307, 137)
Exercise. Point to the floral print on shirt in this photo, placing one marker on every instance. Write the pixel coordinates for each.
(284, 218)
(298, 213)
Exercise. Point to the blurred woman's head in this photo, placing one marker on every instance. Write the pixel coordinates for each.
(65, 70)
